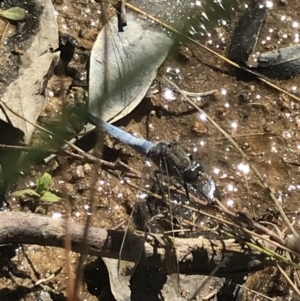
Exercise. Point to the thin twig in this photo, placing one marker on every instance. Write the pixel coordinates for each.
(255, 292)
(4, 34)
(199, 94)
(120, 7)
(288, 279)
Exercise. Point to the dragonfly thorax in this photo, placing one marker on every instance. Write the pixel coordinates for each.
(192, 172)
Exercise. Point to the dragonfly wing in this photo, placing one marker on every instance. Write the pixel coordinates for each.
(153, 214)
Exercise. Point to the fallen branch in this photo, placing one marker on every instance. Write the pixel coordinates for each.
(196, 256)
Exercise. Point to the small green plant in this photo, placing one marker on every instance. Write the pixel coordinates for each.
(14, 13)
(41, 192)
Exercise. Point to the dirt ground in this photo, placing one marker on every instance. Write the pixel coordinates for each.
(264, 122)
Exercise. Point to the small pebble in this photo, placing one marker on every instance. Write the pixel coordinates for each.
(218, 96)
(115, 189)
(284, 102)
(43, 296)
(198, 127)
(268, 128)
(81, 33)
(68, 188)
(221, 112)
(53, 164)
(81, 185)
(17, 51)
(152, 113)
(185, 52)
(78, 172)
(87, 168)
(103, 202)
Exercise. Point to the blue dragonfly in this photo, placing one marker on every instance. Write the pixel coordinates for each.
(170, 156)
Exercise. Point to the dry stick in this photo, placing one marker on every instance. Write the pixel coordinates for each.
(118, 165)
(121, 21)
(233, 216)
(85, 156)
(121, 251)
(26, 148)
(199, 94)
(259, 76)
(85, 246)
(232, 141)
(4, 34)
(120, 7)
(29, 228)
(277, 241)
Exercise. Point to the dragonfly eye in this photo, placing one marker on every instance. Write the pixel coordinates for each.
(171, 148)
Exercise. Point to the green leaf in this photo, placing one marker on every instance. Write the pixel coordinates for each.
(49, 197)
(14, 13)
(26, 192)
(42, 184)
